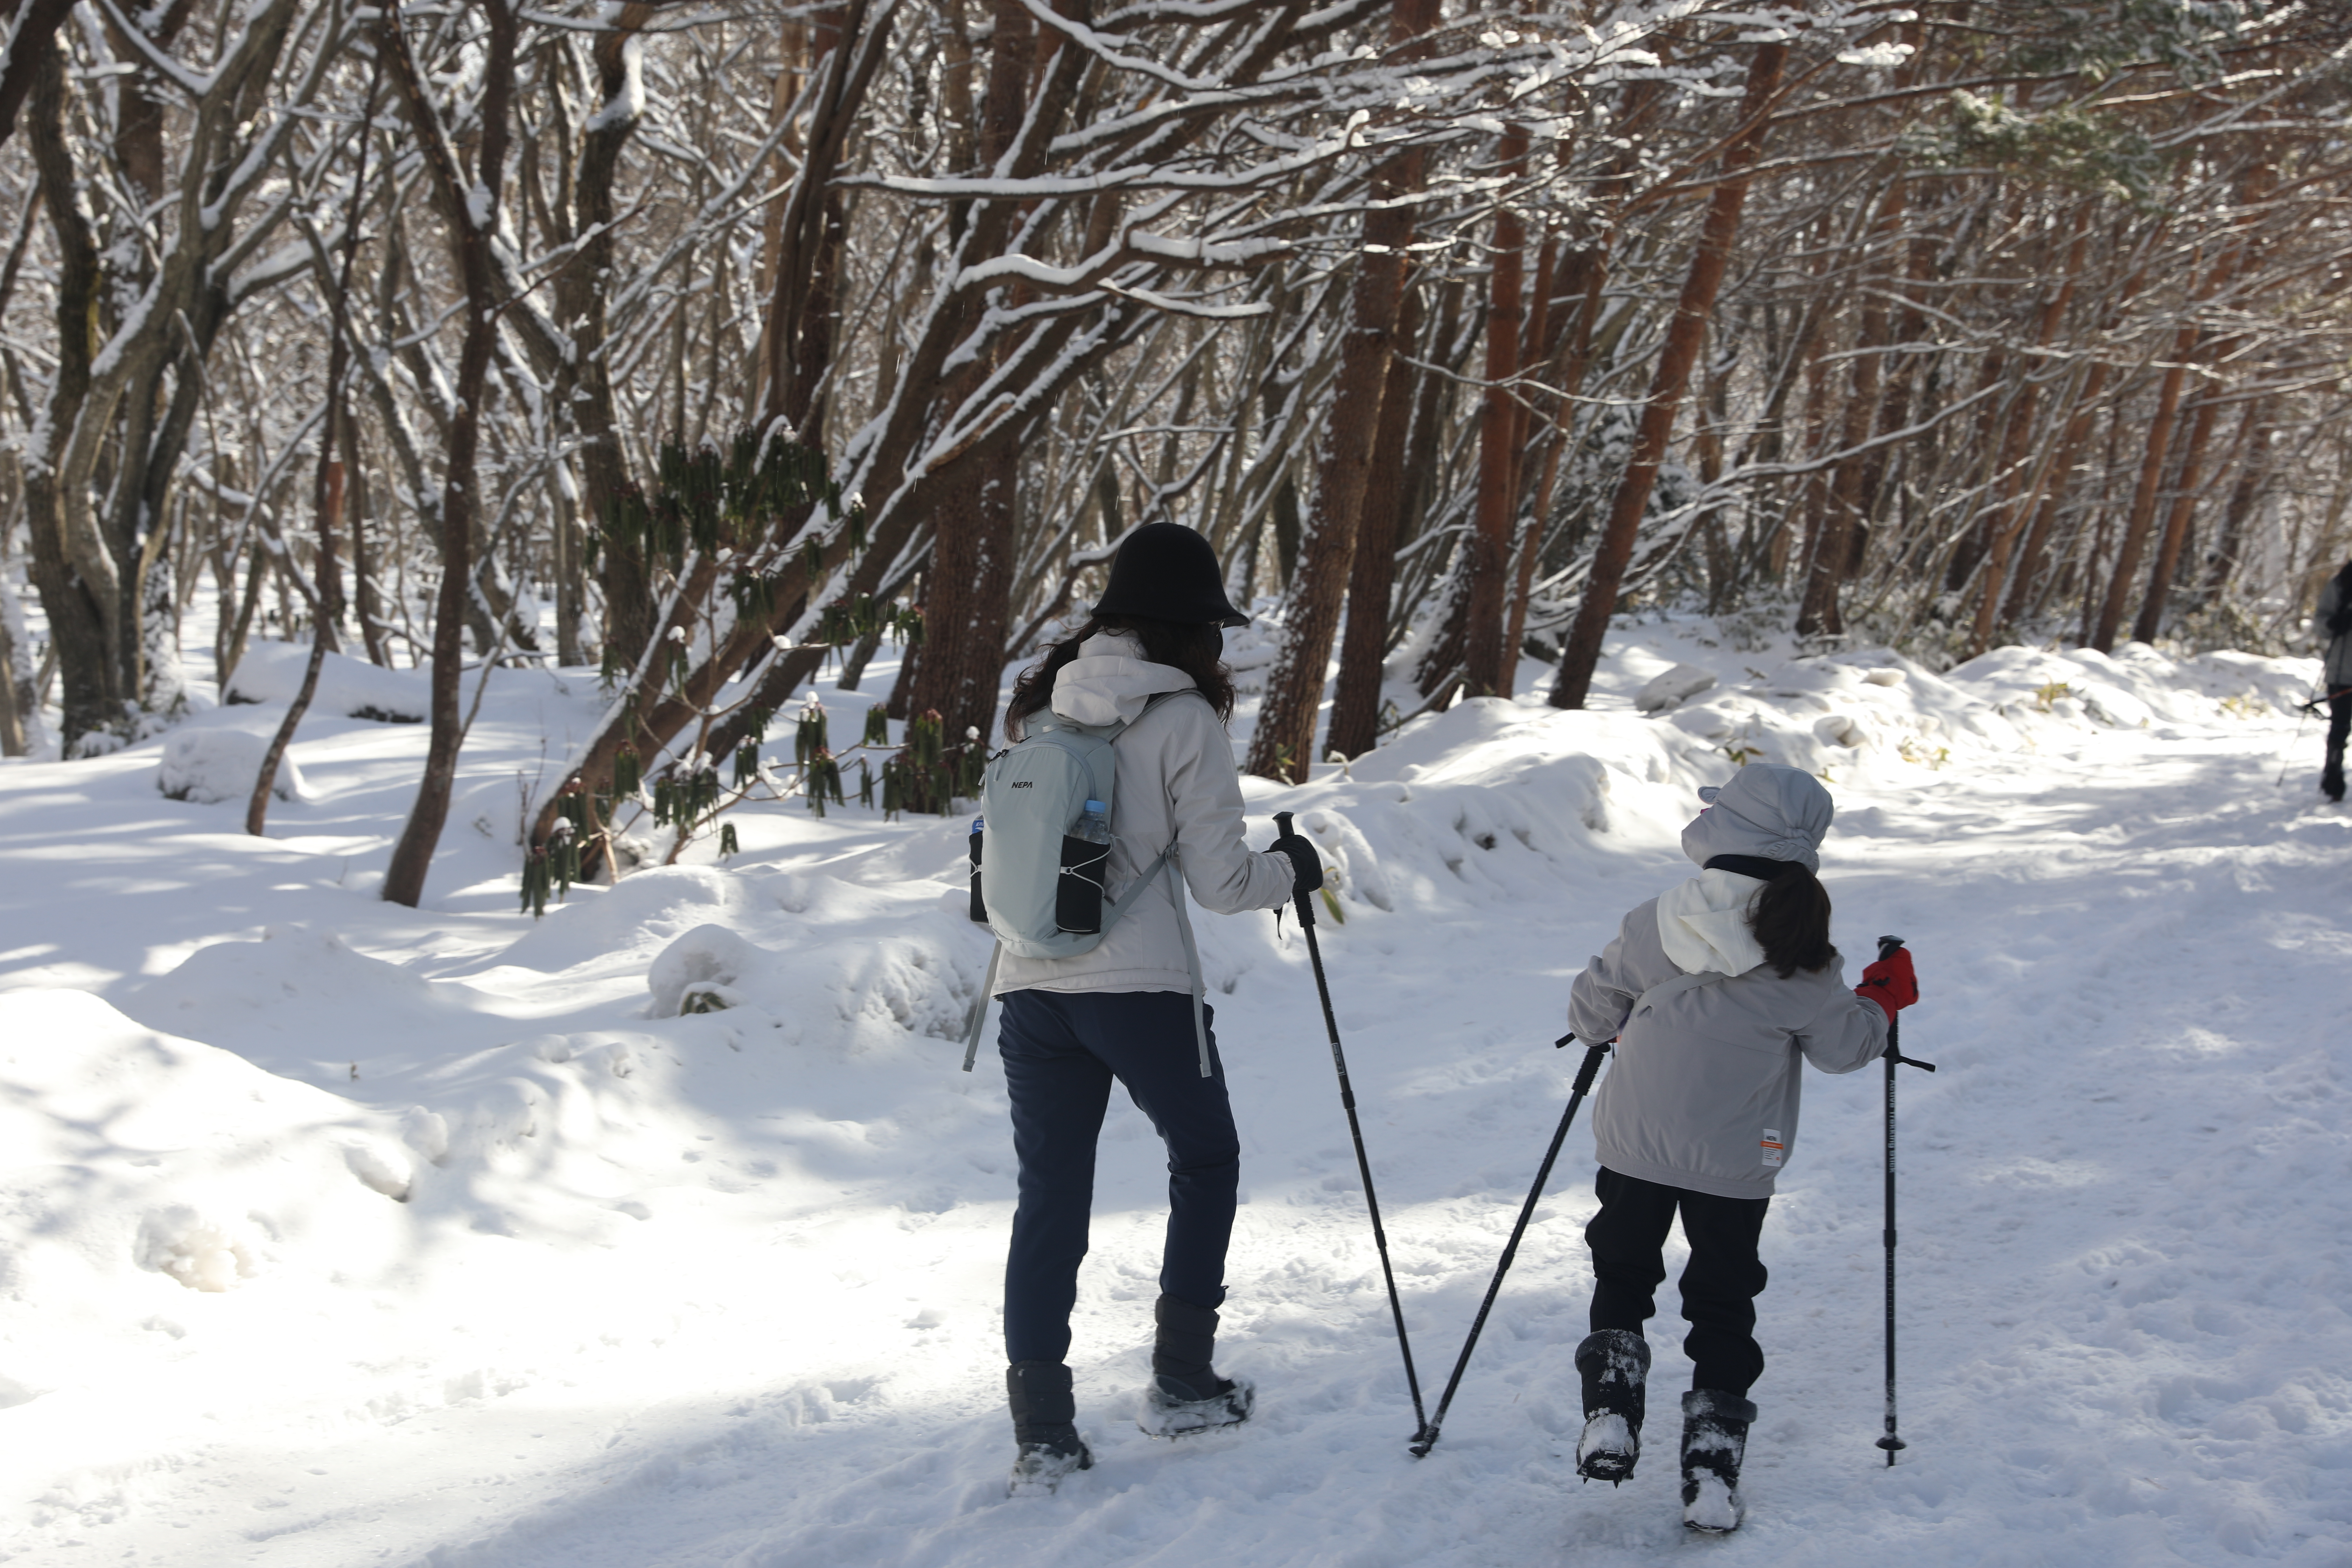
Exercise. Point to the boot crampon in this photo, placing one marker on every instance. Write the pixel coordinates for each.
(1186, 1395)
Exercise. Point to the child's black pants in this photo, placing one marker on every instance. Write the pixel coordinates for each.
(1719, 1287)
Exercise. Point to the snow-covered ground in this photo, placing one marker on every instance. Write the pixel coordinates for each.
(334, 1232)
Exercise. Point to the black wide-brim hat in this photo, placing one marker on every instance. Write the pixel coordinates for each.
(1168, 572)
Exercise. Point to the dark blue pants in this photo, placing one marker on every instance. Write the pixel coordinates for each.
(1720, 1284)
(1060, 1051)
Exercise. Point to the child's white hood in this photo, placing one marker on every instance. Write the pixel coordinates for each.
(1703, 924)
(1111, 680)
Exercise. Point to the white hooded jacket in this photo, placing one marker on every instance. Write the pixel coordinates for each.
(1176, 784)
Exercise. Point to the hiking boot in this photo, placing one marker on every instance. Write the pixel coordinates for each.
(1045, 1428)
(1615, 1365)
(1715, 1443)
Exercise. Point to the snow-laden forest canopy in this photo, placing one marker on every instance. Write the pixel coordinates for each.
(715, 346)
(519, 526)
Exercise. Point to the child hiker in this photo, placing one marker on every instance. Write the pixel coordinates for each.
(1716, 991)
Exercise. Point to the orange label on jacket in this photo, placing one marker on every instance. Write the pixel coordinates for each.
(1771, 1146)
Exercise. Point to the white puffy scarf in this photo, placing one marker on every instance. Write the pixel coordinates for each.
(1703, 924)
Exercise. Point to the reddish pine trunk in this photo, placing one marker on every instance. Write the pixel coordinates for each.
(1682, 338)
(2015, 503)
(971, 595)
(971, 551)
(2143, 506)
(1363, 648)
(1531, 531)
(1832, 543)
(2175, 530)
(1486, 663)
(1283, 745)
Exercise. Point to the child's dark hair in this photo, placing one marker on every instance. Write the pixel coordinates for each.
(1790, 918)
(1195, 647)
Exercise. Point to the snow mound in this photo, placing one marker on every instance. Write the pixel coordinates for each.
(271, 672)
(122, 1147)
(210, 766)
(288, 1003)
(699, 972)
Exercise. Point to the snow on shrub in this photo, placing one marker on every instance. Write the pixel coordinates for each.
(381, 1168)
(202, 1252)
(1672, 687)
(209, 766)
(701, 971)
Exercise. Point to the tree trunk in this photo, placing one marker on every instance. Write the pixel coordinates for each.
(1582, 654)
(2254, 472)
(472, 231)
(74, 605)
(2176, 530)
(971, 596)
(1538, 513)
(28, 47)
(2016, 499)
(1283, 745)
(2151, 478)
(327, 495)
(1486, 664)
(973, 543)
(1363, 648)
(1841, 514)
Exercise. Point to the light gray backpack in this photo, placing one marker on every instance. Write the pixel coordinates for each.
(1039, 886)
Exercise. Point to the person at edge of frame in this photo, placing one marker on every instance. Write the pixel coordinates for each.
(2332, 616)
(1716, 992)
(1123, 1010)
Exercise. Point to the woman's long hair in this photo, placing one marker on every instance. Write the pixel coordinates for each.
(1195, 647)
(1790, 918)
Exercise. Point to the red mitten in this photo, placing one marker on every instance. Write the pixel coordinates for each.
(1890, 982)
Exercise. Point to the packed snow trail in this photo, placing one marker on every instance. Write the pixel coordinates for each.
(721, 1289)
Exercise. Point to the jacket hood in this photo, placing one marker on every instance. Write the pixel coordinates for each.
(1768, 810)
(1703, 924)
(1111, 680)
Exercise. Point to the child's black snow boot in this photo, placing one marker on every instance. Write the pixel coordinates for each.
(1186, 1394)
(1044, 1425)
(1616, 1364)
(1714, 1442)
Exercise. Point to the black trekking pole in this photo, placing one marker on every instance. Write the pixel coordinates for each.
(1894, 1058)
(1356, 1130)
(1427, 1439)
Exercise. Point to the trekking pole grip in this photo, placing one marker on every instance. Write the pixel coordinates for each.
(1887, 944)
(1306, 907)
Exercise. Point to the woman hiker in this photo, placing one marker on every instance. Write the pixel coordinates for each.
(1716, 992)
(1124, 1010)
(2332, 618)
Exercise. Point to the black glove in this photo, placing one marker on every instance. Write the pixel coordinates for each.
(1305, 865)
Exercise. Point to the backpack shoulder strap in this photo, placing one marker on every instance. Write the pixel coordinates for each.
(980, 1007)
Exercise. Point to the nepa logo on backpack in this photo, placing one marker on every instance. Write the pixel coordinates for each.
(1044, 855)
